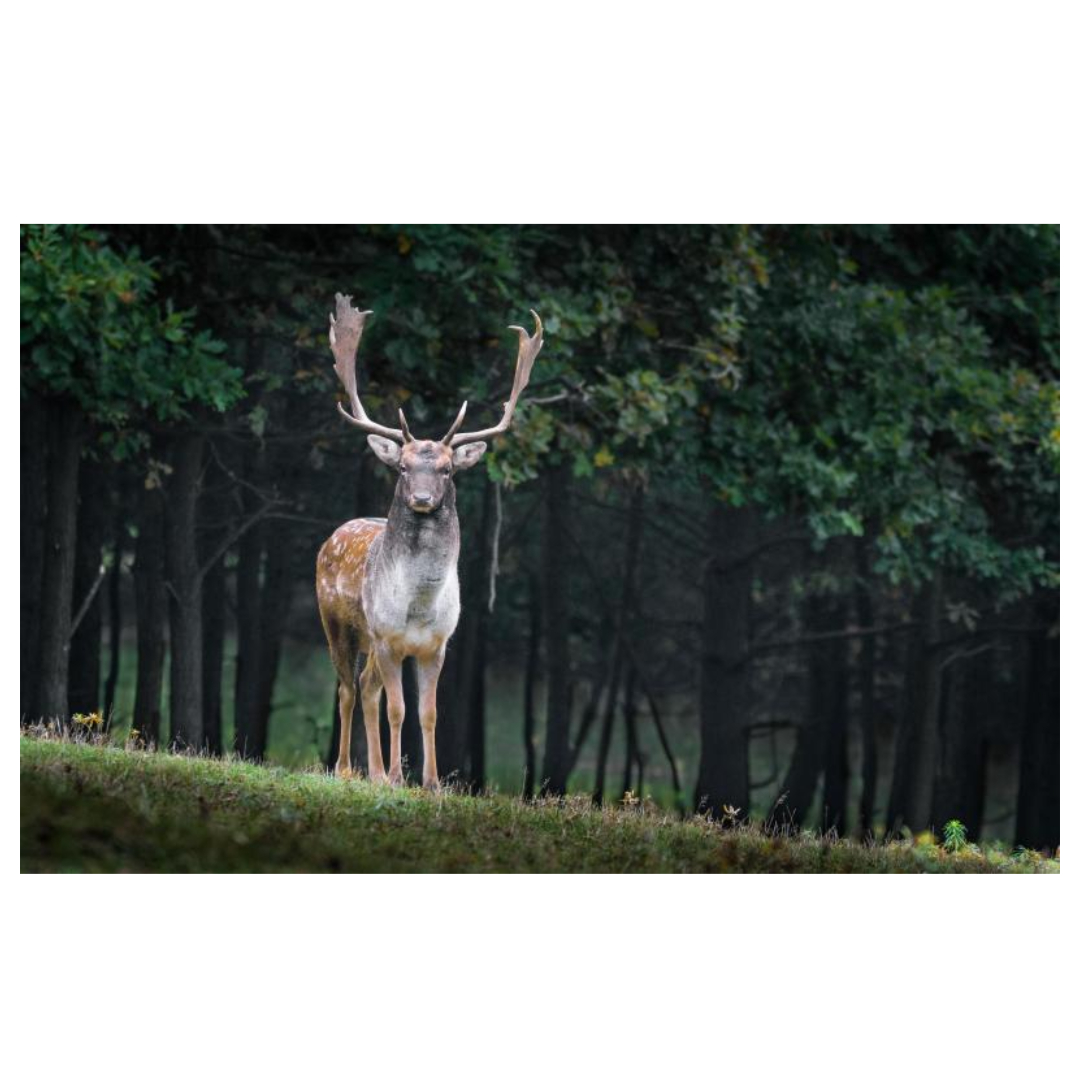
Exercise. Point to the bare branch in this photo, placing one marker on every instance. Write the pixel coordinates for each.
(84, 607)
(235, 535)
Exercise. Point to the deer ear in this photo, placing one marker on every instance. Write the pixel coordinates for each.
(386, 450)
(465, 457)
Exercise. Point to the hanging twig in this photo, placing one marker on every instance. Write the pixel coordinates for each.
(493, 571)
(89, 599)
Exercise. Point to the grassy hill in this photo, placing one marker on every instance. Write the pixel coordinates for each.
(97, 808)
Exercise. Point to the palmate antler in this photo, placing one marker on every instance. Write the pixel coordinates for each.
(346, 329)
(528, 349)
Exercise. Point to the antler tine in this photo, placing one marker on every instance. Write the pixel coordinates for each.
(404, 426)
(528, 349)
(456, 424)
(346, 330)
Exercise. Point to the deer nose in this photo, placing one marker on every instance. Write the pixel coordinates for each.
(423, 499)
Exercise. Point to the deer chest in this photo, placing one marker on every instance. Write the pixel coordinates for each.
(412, 607)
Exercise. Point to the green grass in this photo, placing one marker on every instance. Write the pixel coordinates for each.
(88, 807)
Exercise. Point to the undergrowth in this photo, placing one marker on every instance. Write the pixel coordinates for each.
(92, 807)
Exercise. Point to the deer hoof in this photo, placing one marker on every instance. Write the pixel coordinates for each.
(343, 772)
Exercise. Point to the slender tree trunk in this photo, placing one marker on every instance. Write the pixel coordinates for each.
(112, 677)
(151, 613)
(216, 506)
(185, 588)
(958, 788)
(607, 725)
(634, 760)
(557, 630)
(864, 606)
(478, 675)
(67, 437)
(532, 664)
(478, 709)
(833, 673)
(631, 558)
(84, 668)
(465, 729)
(247, 740)
(1038, 817)
(911, 798)
(214, 622)
(726, 671)
(821, 744)
(274, 608)
(33, 505)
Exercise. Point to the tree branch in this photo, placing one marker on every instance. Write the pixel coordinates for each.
(84, 607)
(231, 539)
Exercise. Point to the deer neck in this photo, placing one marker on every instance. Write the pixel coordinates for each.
(424, 545)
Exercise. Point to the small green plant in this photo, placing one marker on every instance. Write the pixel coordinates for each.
(955, 836)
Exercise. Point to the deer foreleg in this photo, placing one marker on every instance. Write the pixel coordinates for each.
(427, 679)
(390, 671)
(370, 693)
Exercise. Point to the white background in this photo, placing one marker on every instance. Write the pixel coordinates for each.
(550, 111)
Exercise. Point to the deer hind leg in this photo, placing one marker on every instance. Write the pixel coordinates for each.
(346, 705)
(370, 693)
(427, 680)
(343, 652)
(390, 670)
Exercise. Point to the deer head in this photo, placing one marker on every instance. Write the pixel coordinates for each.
(425, 466)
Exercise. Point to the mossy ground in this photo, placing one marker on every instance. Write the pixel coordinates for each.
(88, 807)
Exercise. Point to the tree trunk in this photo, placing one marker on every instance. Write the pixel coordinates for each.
(1038, 816)
(832, 671)
(911, 798)
(274, 609)
(464, 734)
(247, 740)
(634, 759)
(478, 709)
(618, 658)
(959, 786)
(33, 505)
(532, 663)
(67, 436)
(821, 744)
(557, 630)
(726, 671)
(607, 725)
(216, 513)
(213, 617)
(864, 606)
(185, 599)
(112, 677)
(84, 668)
(151, 611)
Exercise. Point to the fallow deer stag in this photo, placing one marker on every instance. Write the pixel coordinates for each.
(388, 587)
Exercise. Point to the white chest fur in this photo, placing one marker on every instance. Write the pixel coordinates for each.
(412, 603)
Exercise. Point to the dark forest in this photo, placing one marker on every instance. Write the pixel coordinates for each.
(774, 536)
